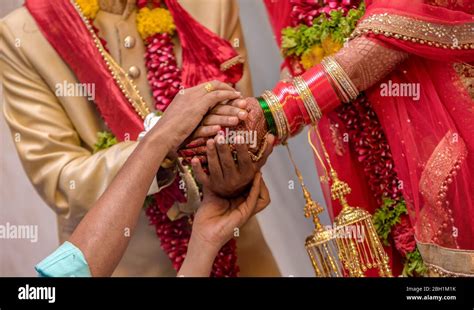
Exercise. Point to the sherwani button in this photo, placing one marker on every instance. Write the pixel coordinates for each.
(129, 42)
(134, 72)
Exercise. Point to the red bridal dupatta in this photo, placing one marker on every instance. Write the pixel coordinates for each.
(431, 139)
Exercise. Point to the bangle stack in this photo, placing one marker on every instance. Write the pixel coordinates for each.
(276, 109)
(308, 99)
(341, 81)
(291, 105)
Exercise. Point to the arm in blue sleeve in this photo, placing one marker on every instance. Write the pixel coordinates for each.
(66, 261)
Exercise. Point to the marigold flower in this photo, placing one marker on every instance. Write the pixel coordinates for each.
(330, 46)
(89, 7)
(157, 20)
(312, 57)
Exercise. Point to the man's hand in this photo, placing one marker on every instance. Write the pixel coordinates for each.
(217, 218)
(187, 110)
(215, 223)
(222, 115)
(229, 178)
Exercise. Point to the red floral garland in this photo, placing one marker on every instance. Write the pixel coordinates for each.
(372, 149)
(164, 78)
(304, 11)
(164, 75)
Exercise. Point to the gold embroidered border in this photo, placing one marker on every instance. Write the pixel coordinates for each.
(226, 65)
(447, 156)
(466, 76)
(446, 262)
(438, 174)
(417, 31)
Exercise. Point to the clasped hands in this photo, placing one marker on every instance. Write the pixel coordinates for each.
(235, 134)
(238, 117)
(198, 124)
(233, 189)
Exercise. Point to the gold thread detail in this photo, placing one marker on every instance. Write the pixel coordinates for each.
(308, 99)
(417, 31)
(278, 114)
(226, 65)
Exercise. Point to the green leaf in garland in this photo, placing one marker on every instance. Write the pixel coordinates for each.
(387, 216)
(149, 200)
(289, 38)
(414, 265)
(105, 140)
(297, 40)
(300, 39)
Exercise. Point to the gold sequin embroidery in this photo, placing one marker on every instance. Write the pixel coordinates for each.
(417, 31)
(439, 173)
(466, 76)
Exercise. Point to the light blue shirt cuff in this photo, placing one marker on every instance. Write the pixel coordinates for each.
(66, 261)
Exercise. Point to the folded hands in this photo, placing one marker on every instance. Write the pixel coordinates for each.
(211, 120)
(238, 118)
(232, 132)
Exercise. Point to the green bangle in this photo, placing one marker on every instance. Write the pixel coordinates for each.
(268, 115)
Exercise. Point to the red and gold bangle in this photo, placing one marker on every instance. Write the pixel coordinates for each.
(303, 101)
(295, 113)
(341, 80)
(307, 97)
(337, 87)
(320, 85)
(278, 114)
(352, 90)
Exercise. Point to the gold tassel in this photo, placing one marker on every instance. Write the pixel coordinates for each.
(321, 245)
(356, 256)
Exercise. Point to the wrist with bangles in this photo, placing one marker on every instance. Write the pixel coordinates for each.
(292, 105)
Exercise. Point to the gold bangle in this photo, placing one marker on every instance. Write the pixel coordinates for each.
(344, 79)
(278, 114)
(337, 87)
(308, 99)
(267, 96)
(340, 78)
(352, 88)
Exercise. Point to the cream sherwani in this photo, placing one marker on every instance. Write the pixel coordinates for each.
(54, 136)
